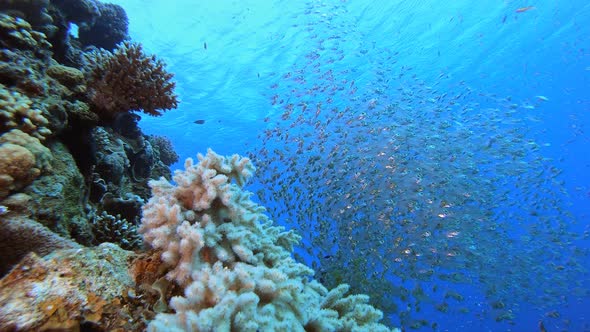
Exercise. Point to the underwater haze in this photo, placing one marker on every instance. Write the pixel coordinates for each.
(433, 155)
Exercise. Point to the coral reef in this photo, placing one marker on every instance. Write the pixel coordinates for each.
(122, 164)
(22, 159)
(234, 265)
(74, 172)
(129, 80)
(20, 235)
(163, 147)
(66, 290)
(114, 229)
(57, 199)
(18, 33)
(109, 30)
(23, 55)
(34, 12)
(48, 156)
(16, 113)
(84, 13)
(16, 168)
(69, 77)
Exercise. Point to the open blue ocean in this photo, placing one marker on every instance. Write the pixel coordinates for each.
(433, 155)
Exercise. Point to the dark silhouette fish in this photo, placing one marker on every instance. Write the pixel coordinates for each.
(542, 326)
(199, 121)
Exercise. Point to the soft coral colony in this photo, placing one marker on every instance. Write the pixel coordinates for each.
(235, 267)
(76, 172)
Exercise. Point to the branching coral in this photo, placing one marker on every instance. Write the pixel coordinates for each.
(114, 229)
(234, 264)
(18, 33)
(163, 147)
(129, 80)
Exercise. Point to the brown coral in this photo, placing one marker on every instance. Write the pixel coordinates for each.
(16, 168)
(42, 154)
(22, 159)
(69, 77)
(20, 235)
(165, 149)
(129, 80)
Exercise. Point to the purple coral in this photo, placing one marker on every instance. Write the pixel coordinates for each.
(129, 80)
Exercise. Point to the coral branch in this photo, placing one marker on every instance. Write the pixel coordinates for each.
(129, 80)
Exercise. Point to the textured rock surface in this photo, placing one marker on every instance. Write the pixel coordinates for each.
(65, 289)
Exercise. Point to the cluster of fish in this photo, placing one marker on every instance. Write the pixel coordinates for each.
(410, 191)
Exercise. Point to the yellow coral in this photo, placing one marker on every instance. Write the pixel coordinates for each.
(22, 159)
(16, 168)
(16, 113)
(42, 154)
(69, 77)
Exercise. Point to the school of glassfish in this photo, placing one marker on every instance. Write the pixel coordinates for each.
(409, 190)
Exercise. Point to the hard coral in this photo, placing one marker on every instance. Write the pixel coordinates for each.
(129, 80)
(114, 229)
(33, 11)
(20, 235)
(18, 33)
(16, 113)
(16, 168)
(110, 28)
(82, 12)
(22, 159)
(164, 149)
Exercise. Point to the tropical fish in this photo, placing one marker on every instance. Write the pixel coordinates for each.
(199, 121)
(524, 9)
(542, 98)
(542, 326)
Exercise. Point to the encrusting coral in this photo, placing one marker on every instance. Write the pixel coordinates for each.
(18, 234)
(129, 80)
(59, 291)
(235, 266)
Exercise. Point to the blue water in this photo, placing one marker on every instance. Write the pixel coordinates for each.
(227, 54)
